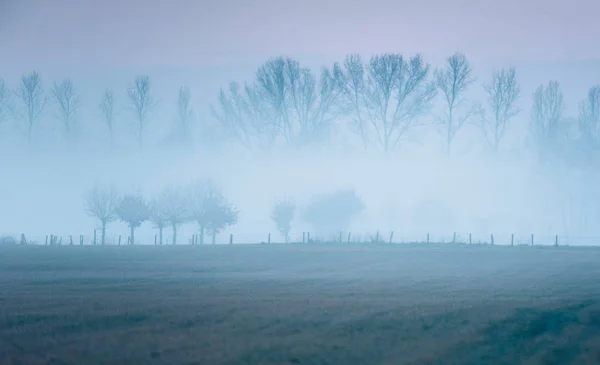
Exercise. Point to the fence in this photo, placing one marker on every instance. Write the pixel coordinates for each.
(389, 237)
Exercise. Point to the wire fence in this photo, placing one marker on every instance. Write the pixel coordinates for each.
(379, 237)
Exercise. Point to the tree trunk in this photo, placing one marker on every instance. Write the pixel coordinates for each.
(103, 232)
(174, 225)
(160, 235)
(201, 235)
(214, 236)
(132, 235)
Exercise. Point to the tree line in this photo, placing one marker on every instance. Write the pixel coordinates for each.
(204, 204)
(382, 101)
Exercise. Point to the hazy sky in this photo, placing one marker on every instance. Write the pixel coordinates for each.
(150, 33)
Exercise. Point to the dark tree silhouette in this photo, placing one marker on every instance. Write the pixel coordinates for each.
(283, 214)
(107, 109)
(547, 122)
(453, 81)
(67, 102)
(142, 102)
(172, 207)
(134, 211)
(31, 94)
(101, 202)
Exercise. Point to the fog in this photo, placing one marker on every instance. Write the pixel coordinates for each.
(414, 190)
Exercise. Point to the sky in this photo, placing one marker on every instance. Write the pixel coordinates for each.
(183, 33)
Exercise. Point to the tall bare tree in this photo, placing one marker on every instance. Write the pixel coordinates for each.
(142, 102)
(386, 100)
(502, 91)
(589, 117)
(453, 80)
(31, 94)
(285, 100)
(107, 109)
(185, 116)
(547, 122)
(67, 102)
(101, 202)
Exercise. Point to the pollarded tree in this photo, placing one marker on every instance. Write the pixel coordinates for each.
(31, 94)
(333, 212)
(453, 81)
(67, 101)
(172, 206)
(101, 202)
(220, 213)
(283, 214)
(142, 102)
(385, 100)
(158, 217)
(503, 92)
(134, 211)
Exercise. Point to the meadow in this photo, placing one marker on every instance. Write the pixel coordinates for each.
(299, 304)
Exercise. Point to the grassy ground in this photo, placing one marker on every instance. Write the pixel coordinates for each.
(294, 304)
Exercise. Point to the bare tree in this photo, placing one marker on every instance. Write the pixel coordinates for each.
(285, 100)
(107, 109)
(386, 100)
(172, 207)
(101, 202)
(589, 117)
(158, 218)
(198, 194)
(185, 116)
(503, 92)
(31, 95)
(67, 101)
(546, 122)
(210, 209)
(453, 81)
(134, 211)
(283, 214)
(142, 102)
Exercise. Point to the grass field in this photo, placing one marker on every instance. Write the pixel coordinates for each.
(299, 304)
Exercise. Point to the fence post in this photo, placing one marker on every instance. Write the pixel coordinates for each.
(46, 244)
(391, 236)
(512, 239)
(80, 240)
(454, 237)
(51, 240)
(70, 240)
(341, 236)
(377, 237)
(119, 240)
(427, 237)
(348, 237)
(532, 239)
(308, 237)
(303, 237)
(492, 239)
(155, 240)
(269, 238)
(94, 237)
(556, 240)
(470, 239)
(60, 241)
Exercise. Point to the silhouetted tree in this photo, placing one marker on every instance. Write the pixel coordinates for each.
(547, 122)
(198, 194)
(134, 211)
(283, 214)
(333, 212)
(503, 92)
(31, 94)
(158, 217)
(107, 109)
(220, 213)
(385, 100)
(453, 81)
(101, 202)
(142, 102)
(589, 118)
(172, 206)
(67, 102)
